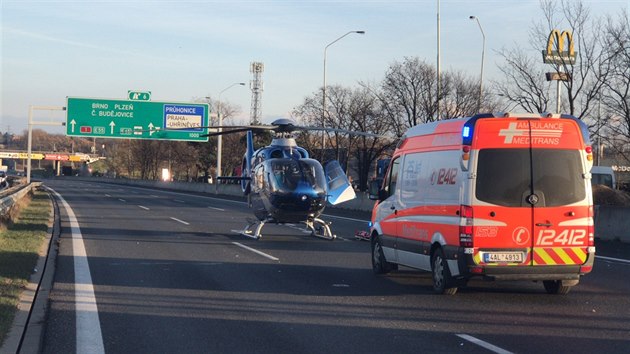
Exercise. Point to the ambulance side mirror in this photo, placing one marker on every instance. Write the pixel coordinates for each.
(374, 191)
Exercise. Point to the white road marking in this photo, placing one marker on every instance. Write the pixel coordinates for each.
(107, 195)
(219, 209)
(89, 338)
(182, 221)
(486, 345)
(179, 201)
(122, 200)
(155, 196)
(256, 251)
(613, 259)
(143, 207)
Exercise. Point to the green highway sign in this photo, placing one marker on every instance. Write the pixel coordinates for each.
(128, 119)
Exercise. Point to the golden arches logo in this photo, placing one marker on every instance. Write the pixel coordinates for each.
(556, 53)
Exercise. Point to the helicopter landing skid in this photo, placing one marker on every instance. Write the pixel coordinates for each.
(253, 228)
(320, 228)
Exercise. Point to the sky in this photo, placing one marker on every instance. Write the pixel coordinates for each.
(182, 50)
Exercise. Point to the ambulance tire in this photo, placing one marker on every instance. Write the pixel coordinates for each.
(379, 264)
(442, 281)
(556, 287)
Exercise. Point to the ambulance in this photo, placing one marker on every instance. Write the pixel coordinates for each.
(496, 196)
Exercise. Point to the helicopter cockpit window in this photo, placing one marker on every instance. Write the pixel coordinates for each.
(290, 174)
(276, 154)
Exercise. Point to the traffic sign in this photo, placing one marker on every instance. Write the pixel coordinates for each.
(106, 118)
(139, 95)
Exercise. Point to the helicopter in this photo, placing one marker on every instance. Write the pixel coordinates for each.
(283, 184)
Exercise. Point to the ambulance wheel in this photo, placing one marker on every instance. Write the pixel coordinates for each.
(441, 274)
(379, 264)
(556, 287)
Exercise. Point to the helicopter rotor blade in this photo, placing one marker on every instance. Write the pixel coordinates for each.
(351, 132)
(239, 130)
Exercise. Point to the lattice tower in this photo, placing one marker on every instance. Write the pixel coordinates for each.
(257, 87)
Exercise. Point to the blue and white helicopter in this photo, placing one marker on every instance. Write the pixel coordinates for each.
(285, 185)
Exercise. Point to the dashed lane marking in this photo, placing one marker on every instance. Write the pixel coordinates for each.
(491, 347)
(178, 220)
(256, 251)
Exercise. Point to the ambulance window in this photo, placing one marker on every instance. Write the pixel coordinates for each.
(390, 185)
(558, 176)
(508, 176)
(503, 176)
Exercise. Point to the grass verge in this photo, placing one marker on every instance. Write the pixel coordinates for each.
(20, 246)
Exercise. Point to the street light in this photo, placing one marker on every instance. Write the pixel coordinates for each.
(483, 54)
(220, 137)
(324, 89)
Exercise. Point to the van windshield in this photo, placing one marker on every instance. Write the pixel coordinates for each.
(603, 179)
(504, 177)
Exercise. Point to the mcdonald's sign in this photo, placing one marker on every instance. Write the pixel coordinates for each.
(556, 52)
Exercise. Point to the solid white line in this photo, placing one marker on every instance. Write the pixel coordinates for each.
(89, 338)
(143, 207)
(479, 342)
(219, 209)
(182, 221)
(256, 251)
(613, 259)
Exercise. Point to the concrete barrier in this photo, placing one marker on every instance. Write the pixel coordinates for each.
(612, 223)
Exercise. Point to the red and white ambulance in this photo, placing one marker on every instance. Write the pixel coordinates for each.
(503, 197)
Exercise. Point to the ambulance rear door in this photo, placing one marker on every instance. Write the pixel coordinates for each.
(530, 202)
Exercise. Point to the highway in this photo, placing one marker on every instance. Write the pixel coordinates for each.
(153, 271)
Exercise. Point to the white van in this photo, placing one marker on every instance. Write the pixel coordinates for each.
(603, 175)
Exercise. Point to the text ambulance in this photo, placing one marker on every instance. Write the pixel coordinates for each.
(503, 197)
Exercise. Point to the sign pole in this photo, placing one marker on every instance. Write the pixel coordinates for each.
(30, 132)
(558, 93)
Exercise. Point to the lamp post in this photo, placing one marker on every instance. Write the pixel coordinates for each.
(483, 54)
(324, 88)
(220, 137)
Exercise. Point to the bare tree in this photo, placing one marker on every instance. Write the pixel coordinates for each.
(369, 114)
(411, 86)
(523, 83)
(616, 93)
(462, 96)
(355, 110)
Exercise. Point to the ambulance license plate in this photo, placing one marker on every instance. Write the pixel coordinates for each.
(512, 257)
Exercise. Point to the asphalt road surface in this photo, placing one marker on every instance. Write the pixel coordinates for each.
(150, 271)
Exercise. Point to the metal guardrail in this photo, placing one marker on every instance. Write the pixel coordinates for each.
(7, 202)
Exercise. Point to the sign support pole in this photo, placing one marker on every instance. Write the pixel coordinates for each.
(30, 132)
